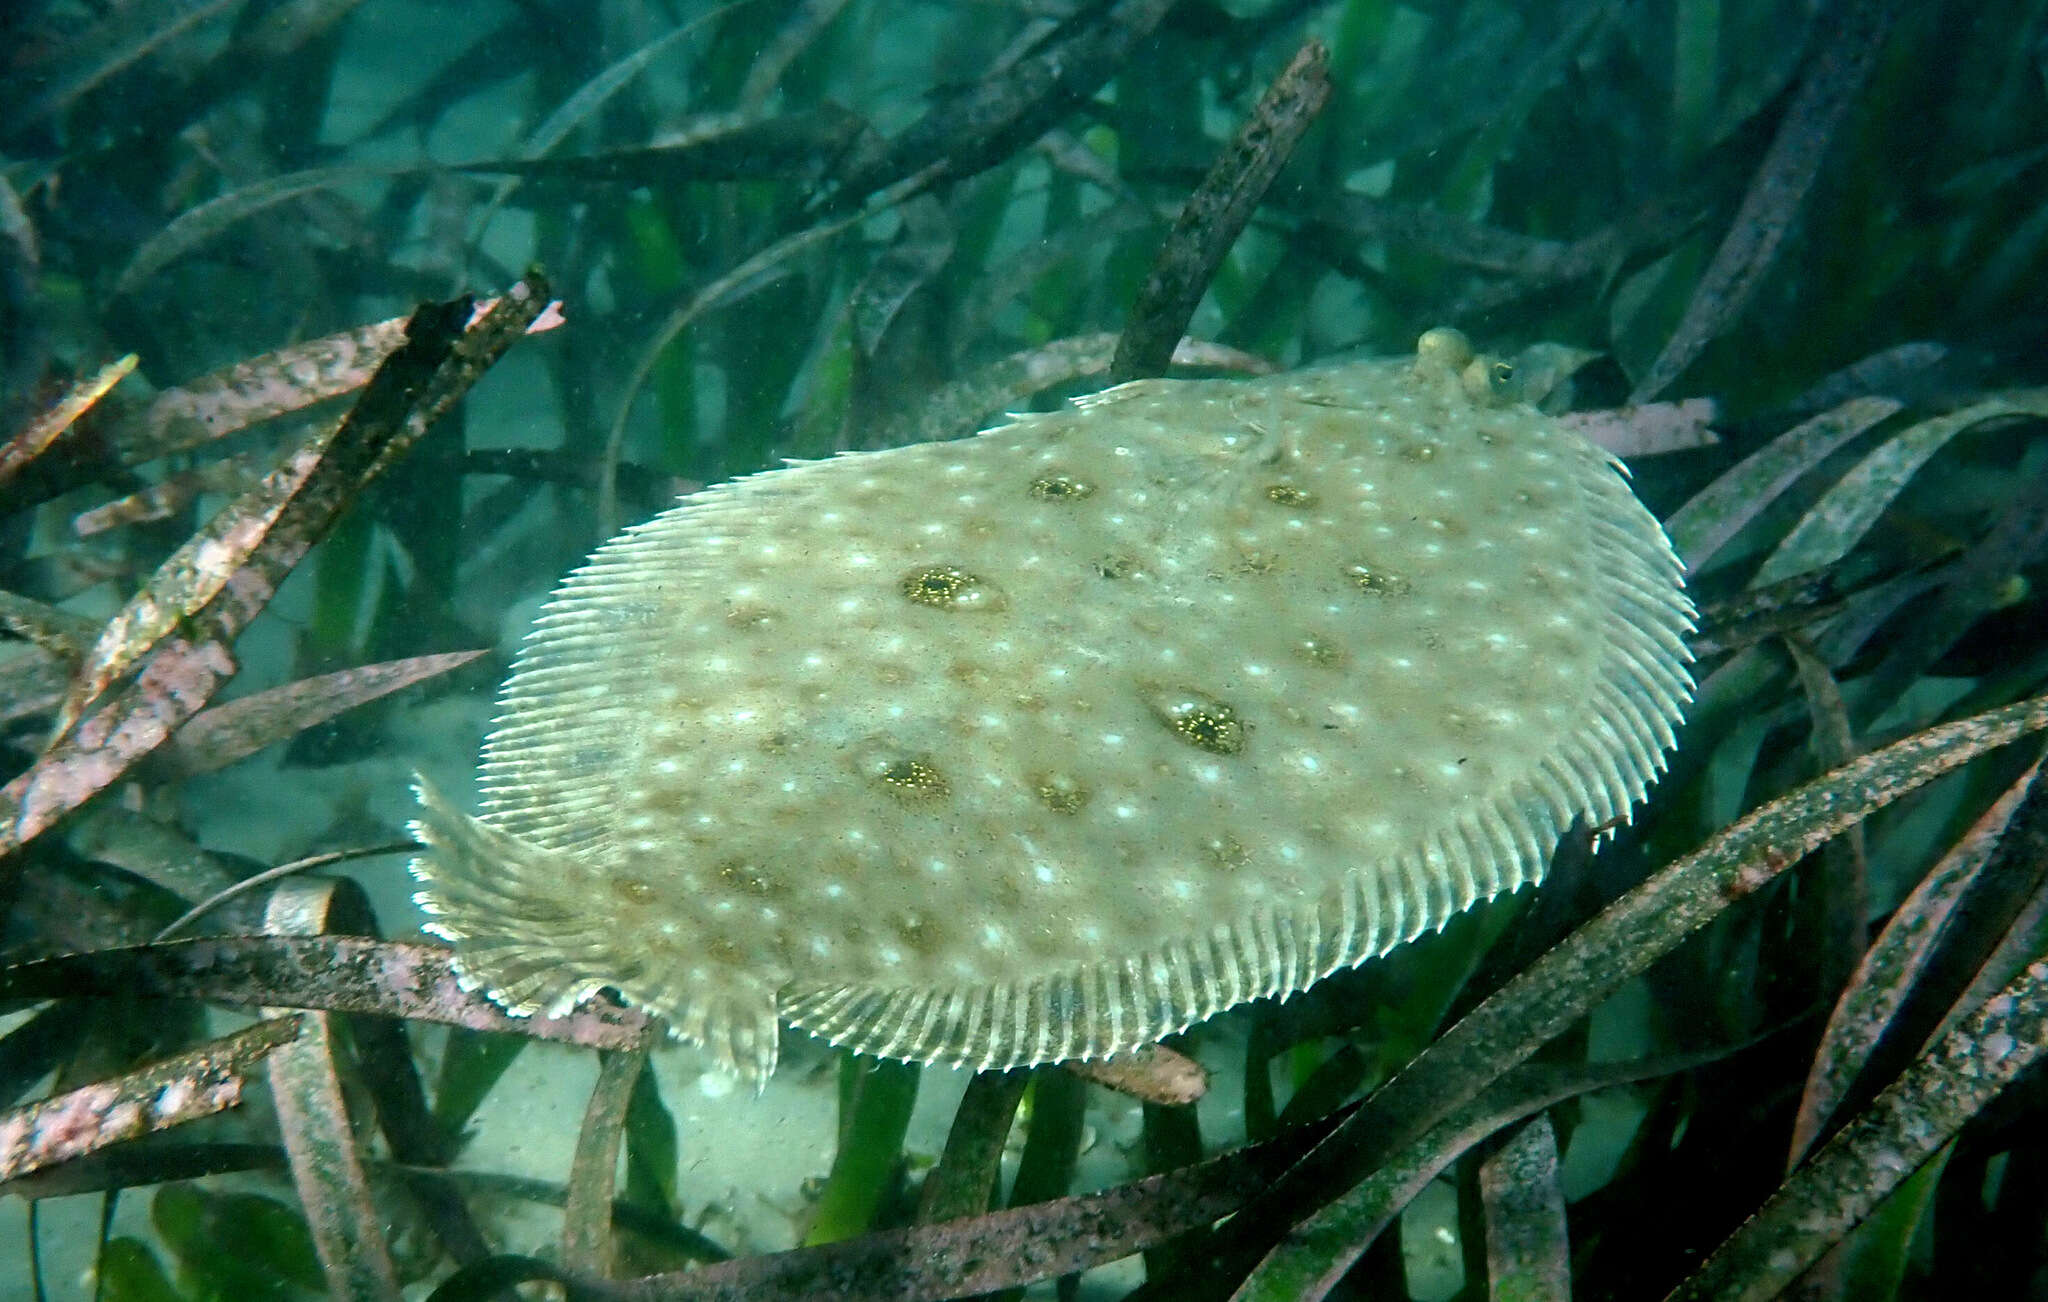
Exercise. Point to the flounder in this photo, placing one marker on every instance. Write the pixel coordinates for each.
(1050, 742)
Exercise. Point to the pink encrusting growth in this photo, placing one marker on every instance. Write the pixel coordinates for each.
(195, 1084)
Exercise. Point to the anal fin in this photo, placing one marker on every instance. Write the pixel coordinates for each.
(530, 930)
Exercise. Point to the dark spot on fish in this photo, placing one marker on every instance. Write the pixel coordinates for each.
(948, 587)
(1060, 488)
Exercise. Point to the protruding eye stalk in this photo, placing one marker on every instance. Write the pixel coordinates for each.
(1488, 381)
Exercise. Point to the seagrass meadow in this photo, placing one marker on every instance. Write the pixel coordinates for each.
(1468, 731)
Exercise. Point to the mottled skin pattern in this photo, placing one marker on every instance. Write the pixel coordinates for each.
(1048, 742)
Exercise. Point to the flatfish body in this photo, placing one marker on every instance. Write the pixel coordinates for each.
(1049, 742)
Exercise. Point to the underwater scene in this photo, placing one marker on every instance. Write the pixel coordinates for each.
(1171, 650)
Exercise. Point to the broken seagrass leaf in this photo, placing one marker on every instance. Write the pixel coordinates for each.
(194, 1084)
(1322, 1208)
(222, 734)
(1046, 744)
(1718, 512)
(1892, 967)
(406, 395)
(312, 1119)
(1648, 429)
(1840, 517)
(223, 402)
(1528, 1249)
(42, 432)
(1151, 1073)
(232, 476)
(341, 974)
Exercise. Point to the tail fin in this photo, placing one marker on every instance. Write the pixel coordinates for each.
(530, 929)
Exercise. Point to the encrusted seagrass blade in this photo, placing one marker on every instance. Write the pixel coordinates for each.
(1050, 742)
